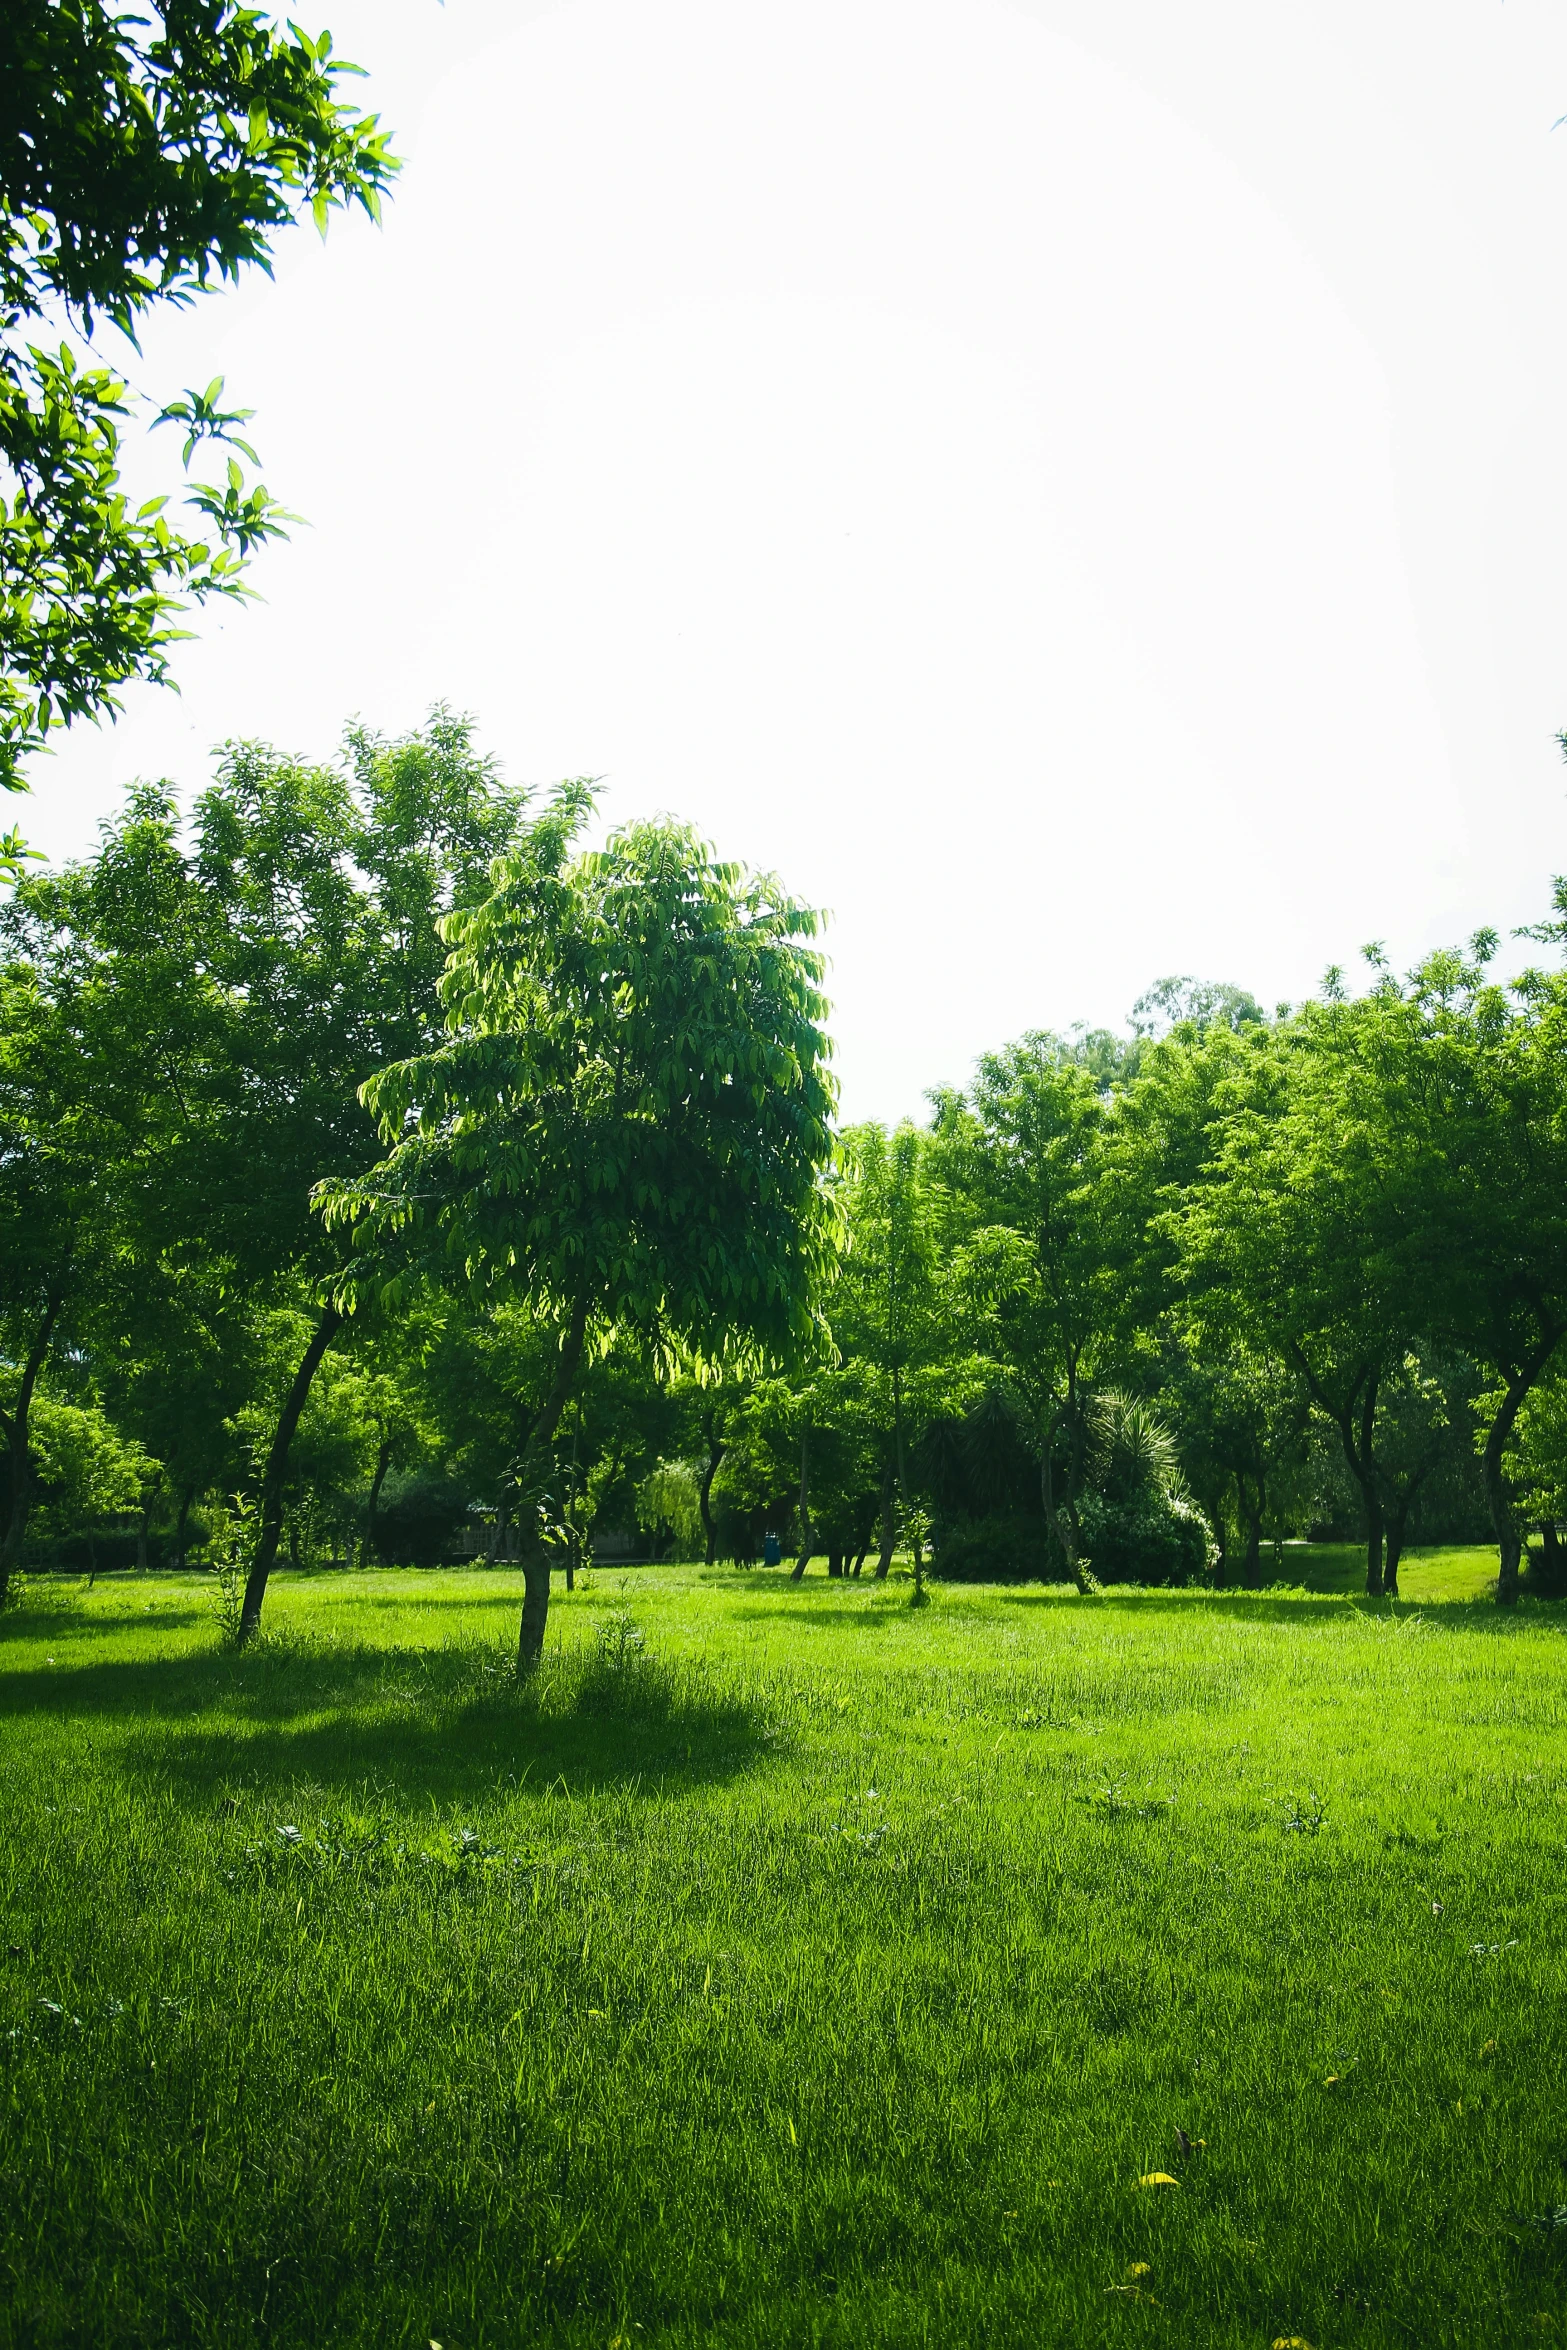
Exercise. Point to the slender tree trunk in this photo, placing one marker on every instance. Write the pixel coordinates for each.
(1362, 1461)
(182, 1526)
(1509, 1537)
(1060, 1528)
(1251, 1508)
(276, 1471)
(807, 1536)
(715, 1455)
(1215, 1518)
(20, 1458)
(535, 1558)
(889, 1518)
(149, 1496)
(1397, 1520)
(383, 1461)
(1358, 1453)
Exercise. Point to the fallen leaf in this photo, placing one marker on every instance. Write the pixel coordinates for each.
(1139, 2268)
(1489, 2049)
(1157, 2178)
(1332, 2080)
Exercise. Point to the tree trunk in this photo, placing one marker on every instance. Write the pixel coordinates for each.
(1509, 1538)
(1362, 1463)
(1393, 1553)
(276, 1471)
(807, 1536)
(1358, 1453)
(21, 1459)
(889, 1518)
(1550, 1578)
(143, 1523)
(1251, 1569)
(1063, 1532)
(535, 1558)
(182, 1526)
(715, 1454)
(383, 1461)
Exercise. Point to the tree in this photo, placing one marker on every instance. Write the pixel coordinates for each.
(886, 1315)
(141, 159)
(323, 892)
(628, 1125)
(103, 1021)
(1026, 1153)
(1388, 1185)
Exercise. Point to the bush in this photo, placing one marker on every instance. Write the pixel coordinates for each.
(1157, 1536)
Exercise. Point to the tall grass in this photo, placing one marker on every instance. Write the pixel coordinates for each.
(780, 1967)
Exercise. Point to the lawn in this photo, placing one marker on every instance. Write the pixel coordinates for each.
(783, 1966)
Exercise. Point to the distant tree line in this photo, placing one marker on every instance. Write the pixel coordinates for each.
(373, 1152)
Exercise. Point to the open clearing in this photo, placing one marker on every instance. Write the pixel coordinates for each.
(782, 1966)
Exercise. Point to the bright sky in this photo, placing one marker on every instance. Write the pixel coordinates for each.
(1081, 491)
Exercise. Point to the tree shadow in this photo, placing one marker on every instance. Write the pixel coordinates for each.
(415, 1723)
(841, 1619)
(1294, 1606)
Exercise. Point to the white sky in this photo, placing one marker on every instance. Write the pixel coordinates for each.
(1080, 489)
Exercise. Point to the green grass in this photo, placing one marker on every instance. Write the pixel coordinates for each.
(819, 1972)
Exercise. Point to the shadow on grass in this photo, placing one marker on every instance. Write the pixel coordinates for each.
(411, 1722)
(839, 1618)
(1294, 1606)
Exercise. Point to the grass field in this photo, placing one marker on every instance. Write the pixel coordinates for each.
(782, 1966)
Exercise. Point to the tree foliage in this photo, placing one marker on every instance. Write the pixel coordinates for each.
(142, 160)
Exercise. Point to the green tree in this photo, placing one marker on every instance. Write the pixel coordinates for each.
(141, 160)
(1043, 1263)
(887, 1318)
(324, 889)
(628, 1126)
(104, 1021)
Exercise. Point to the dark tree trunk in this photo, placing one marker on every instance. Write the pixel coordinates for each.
(535, 1558)
(807, 1536)
(383, 1461)
(1060, 1523)
(276, 1471)
(1251, 1567)
(1358, 1454)
(835, 1563)
(1509, 1535)
(182, 1527)
(1549, 1577)
(889, 1518)
(1394, 1536)
(1361, 1462)
(142, 1527)
(710, 1468)
(21, 1460)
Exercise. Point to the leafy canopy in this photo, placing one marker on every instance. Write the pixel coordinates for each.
(141, 158)
(630, 1122)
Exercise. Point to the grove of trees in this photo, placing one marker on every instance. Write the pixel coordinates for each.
(384, 1174)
